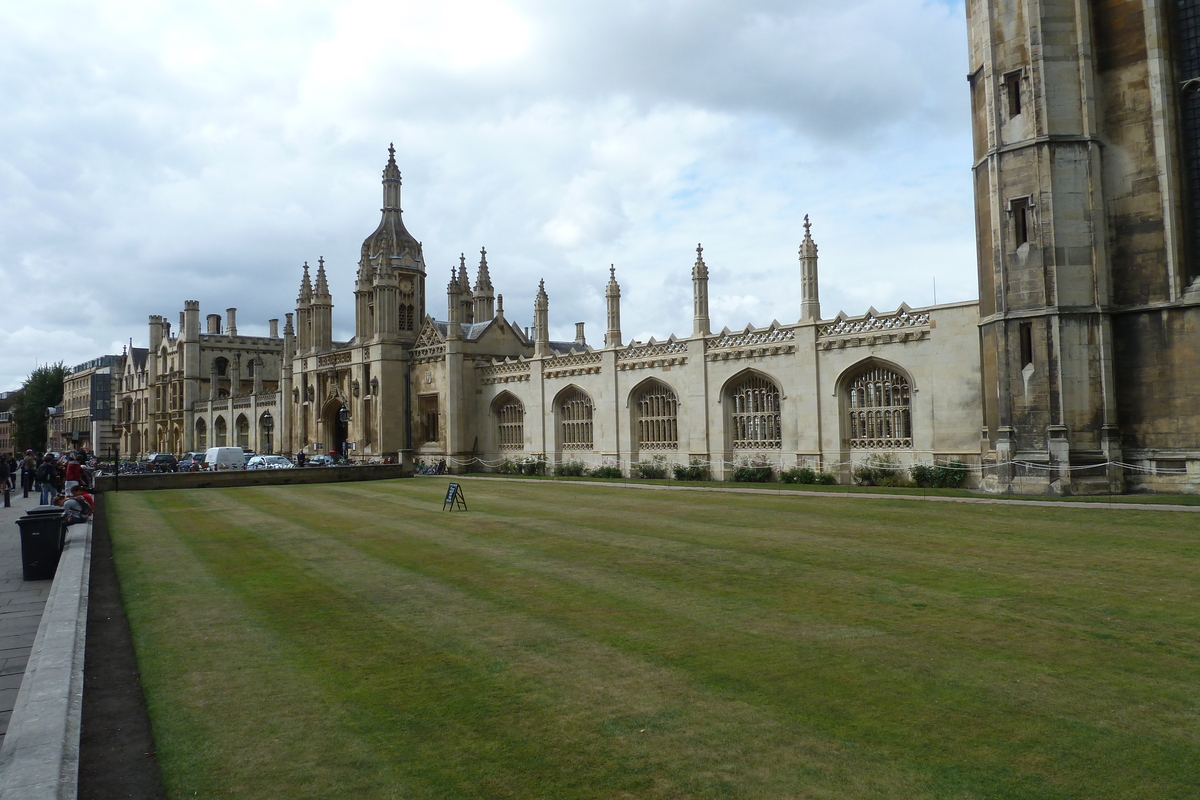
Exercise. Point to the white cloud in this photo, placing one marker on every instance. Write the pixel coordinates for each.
(163, 152)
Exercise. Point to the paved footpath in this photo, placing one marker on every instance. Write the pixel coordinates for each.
(21, 604)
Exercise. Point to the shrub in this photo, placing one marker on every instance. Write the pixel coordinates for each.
(754, 471)
(922, 475)
(826, 479)
(938, 476)
(508, 467)
(655, 469)
(606, 472)
(798, 475)
(532, 466)
(950, 476)
(895, 480)
(571, 469)
(878, 467)
(696, 470)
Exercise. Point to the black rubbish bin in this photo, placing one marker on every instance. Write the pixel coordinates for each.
(42, 535)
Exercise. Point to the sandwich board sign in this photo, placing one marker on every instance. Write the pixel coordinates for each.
(454, 497)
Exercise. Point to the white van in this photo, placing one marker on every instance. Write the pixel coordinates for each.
(222, 458)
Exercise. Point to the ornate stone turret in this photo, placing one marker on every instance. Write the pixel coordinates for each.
(810, 302)
(465, 295)
(612, 294)
(390, 290)
(453, 307)
(541, 322)
(484, 303)
(700, 322)
(303, 313)
(322, 311)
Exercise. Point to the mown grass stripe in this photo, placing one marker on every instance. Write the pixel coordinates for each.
(813, 640)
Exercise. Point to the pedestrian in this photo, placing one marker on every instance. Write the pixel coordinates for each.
(72, 475)
(28, 471)
(74, 508)
(12, 472)
(4, 473)
(47, 478)
(299, 458)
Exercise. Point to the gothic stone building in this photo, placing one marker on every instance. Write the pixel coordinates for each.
(473, 387)
(1086, 124)
(192, 390)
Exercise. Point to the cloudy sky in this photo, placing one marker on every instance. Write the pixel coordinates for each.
(156, 152)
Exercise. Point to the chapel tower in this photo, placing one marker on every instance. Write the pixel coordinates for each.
(1089, 309)
(390, 286)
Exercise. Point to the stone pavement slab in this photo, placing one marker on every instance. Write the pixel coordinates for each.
(21, 605)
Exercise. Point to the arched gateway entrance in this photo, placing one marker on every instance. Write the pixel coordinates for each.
(335, 426)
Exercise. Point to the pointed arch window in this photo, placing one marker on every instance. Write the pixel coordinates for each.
(657, 418)
(880, 410)
(575, 414)
(754, 414)
(510, 422)
(201, 434)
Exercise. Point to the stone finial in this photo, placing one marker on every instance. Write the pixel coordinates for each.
(305, 288)
(322, 288)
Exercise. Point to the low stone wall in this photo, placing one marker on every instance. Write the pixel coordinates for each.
(40, 756)
(252, 477)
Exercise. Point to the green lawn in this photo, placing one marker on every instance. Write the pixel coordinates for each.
(352, 640)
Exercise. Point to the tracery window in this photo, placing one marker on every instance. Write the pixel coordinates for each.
(406, 316)
(510, 421)
(754, 414)
(201, 435)
(221, 433)
(575, 420)
(243, 432)
(880, 410)
(657, 418)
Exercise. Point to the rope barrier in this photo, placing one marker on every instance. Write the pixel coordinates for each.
(827, 466)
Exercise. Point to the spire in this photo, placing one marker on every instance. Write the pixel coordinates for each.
(463, 280)
(391, 239)
(810, 302)
(482, 279)
(485, 306)
(612, 296)
(700, 269)
(391, 182)
(541, 322)
(700, 321)
(305, 288)
(322, 288)
(453, 306)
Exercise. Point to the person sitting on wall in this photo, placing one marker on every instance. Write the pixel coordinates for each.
(75, 509)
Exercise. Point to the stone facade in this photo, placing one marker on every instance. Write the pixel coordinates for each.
(194, 390)
(475, 389)
(1085, 132)
(88, 401)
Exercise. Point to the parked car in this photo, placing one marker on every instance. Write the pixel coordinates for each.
(160, 462)
(320, 460)
(269, 462)
(191, 462)
(217, 459)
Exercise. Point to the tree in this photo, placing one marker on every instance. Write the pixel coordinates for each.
(42, 389)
